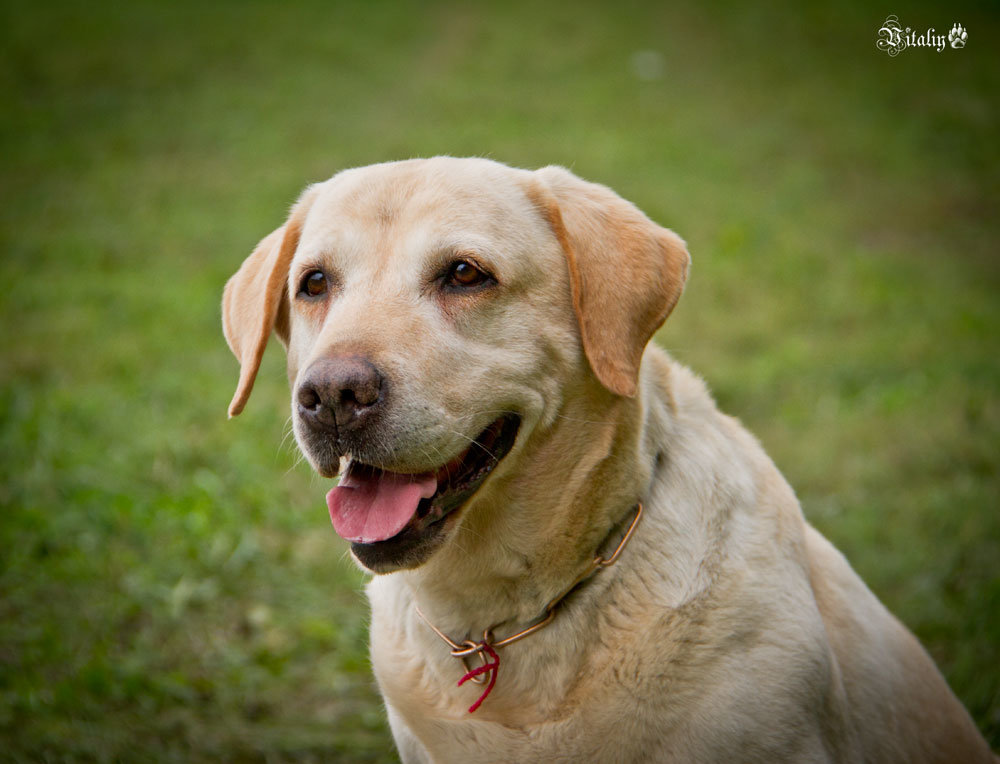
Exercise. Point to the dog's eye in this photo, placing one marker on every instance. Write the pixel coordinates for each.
(464, 274)
(313, 284)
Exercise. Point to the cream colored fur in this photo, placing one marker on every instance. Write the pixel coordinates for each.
(729, 630)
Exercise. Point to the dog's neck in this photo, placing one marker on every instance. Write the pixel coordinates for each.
(506, 563)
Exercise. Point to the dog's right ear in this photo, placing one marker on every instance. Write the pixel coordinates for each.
(255, 300)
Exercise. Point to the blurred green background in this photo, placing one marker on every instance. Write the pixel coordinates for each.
(170, 587)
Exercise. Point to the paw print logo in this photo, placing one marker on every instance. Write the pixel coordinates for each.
(957, 36)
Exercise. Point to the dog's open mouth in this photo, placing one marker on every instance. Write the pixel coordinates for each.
(391, 513)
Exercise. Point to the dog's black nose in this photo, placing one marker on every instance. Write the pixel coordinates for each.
(340, 393)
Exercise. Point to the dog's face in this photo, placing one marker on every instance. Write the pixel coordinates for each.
(435, 314)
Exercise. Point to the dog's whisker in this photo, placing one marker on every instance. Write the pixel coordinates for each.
(479, 413)
(581, 421)
(472, 532)
(473, 442)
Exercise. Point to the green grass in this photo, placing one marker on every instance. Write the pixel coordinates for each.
(170, 588)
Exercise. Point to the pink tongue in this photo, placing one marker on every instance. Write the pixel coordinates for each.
(368, 508)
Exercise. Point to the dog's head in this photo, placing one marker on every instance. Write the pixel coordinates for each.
(436, 314)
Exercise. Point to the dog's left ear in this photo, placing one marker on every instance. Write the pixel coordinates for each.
(255, 300)
(626, 272)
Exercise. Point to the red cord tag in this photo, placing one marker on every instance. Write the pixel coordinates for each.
(492, 667)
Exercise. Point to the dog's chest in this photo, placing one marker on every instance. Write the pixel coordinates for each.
(544, 706)
(502, 730)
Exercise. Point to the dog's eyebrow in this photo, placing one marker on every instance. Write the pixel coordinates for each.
(462, 242)
(313, 263)
(319, 247)
(476, 247)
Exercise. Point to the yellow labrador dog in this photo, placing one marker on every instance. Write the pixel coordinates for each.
(580, 558)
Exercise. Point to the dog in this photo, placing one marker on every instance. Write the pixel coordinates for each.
(578, 558)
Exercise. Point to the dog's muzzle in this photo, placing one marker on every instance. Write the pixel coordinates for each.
(392, 519)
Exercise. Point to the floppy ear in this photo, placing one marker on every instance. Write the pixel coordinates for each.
(626, 272)
(255, 300)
